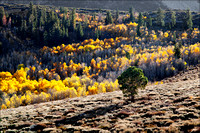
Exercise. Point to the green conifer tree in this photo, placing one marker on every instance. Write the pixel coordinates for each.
(128, 56)
(66, 33)
(62, 10)
(141, 20)
(174, 36)
(93, 16)
(117, 15)
(131, 80)
(41, 22)
(52, 16)
(63, 33)
(73, 20)
(109, 19)
(44, 14)
(131, 19)
(85, 21)
(31, 24)
(80, 33)
(45, 38)
(150, 21)
(173, 19)
(2, 13)
(189, 19)
(138, 30)
(65, 10)
(23, 29)
(160, 17)
(68, 23)
(177, 50)
(97, 34)
(30, 8)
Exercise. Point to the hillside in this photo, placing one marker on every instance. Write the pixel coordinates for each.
(140, 6)
(170, 107)
(60, 67)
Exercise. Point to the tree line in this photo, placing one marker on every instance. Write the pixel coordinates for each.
(48, 28)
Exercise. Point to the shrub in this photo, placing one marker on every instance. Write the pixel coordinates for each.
(20, 66)
(177, 50)
(1, 97)
(130, 80)
(128, 55)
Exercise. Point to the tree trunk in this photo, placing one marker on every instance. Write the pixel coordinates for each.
(132, 98)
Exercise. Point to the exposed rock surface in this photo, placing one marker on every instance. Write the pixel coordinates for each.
(170, 107)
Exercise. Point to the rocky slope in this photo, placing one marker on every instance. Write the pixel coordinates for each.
(170, 107)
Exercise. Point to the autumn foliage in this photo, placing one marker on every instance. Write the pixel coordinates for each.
(93, 65)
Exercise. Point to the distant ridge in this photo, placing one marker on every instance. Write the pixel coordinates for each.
(138, 5)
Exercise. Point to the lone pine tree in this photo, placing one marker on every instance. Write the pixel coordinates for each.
(131, 80)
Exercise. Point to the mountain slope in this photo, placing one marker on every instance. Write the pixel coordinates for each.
(173, 106)
(138, 5)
